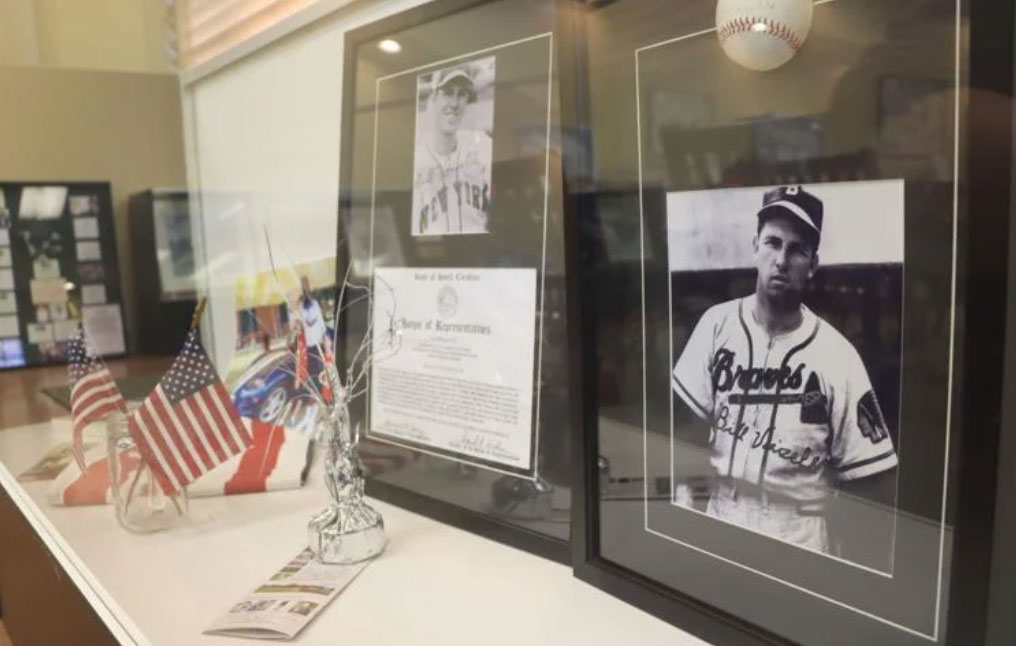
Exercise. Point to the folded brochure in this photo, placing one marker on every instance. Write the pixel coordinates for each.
(288, 601)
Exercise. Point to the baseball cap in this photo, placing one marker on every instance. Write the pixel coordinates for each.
(796, 202)
(459, 73)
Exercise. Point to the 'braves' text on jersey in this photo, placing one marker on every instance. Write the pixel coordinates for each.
(792, 413)
(451, 193)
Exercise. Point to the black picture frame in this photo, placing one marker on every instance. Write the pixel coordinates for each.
(108, 266)
(163, 317)
(983, 454)
(556, 548)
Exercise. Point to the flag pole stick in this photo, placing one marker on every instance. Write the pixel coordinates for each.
(199, 309)
(134, 482)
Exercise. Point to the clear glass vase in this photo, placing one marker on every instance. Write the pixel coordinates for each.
(348, 530)
(140, 504)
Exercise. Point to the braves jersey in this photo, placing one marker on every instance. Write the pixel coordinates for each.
(451, 193)
(793, 413)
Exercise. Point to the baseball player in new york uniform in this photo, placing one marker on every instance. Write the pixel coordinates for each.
(451, 188)
(789, 405)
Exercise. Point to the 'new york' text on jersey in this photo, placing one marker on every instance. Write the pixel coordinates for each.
(451, 193)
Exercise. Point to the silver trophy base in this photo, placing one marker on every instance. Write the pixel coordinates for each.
(346, 533)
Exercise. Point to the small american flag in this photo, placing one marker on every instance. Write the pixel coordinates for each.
(188, 425)
(93, 392)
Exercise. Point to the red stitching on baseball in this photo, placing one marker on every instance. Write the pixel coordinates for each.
(775, 29)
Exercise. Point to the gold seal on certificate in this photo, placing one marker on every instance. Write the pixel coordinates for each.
(461, 383)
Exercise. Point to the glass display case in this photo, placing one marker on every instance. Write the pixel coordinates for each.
(509, 321)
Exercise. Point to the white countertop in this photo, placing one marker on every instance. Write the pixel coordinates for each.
(433, 585)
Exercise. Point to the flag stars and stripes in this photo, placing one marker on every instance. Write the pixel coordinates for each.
(94, 394)
(188, 425)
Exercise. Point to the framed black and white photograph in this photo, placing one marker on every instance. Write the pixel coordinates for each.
(453, 149)
(451, 208)
(778, 412)
(784, 385)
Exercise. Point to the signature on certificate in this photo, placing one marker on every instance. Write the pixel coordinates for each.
(481, 444)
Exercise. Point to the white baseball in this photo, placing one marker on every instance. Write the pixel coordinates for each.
(762, 34)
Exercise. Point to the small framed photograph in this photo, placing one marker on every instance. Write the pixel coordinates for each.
(453, 150)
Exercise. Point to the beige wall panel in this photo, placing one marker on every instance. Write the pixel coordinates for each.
(124, 128)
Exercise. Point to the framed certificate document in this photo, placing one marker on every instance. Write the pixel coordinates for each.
(451, 196)
(461, 382)
(790, 266)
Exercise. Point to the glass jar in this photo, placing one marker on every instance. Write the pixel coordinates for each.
(141, 506)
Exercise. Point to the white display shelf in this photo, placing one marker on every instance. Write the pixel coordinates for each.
(433, 585)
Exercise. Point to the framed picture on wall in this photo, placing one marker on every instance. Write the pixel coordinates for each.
(58, 270)
(783, 432)
(451, 210)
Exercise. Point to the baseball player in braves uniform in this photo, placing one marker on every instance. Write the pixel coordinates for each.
(789, 405)
(451, 188)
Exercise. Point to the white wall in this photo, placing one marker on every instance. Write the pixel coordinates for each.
(263, 149)
(94, 125)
